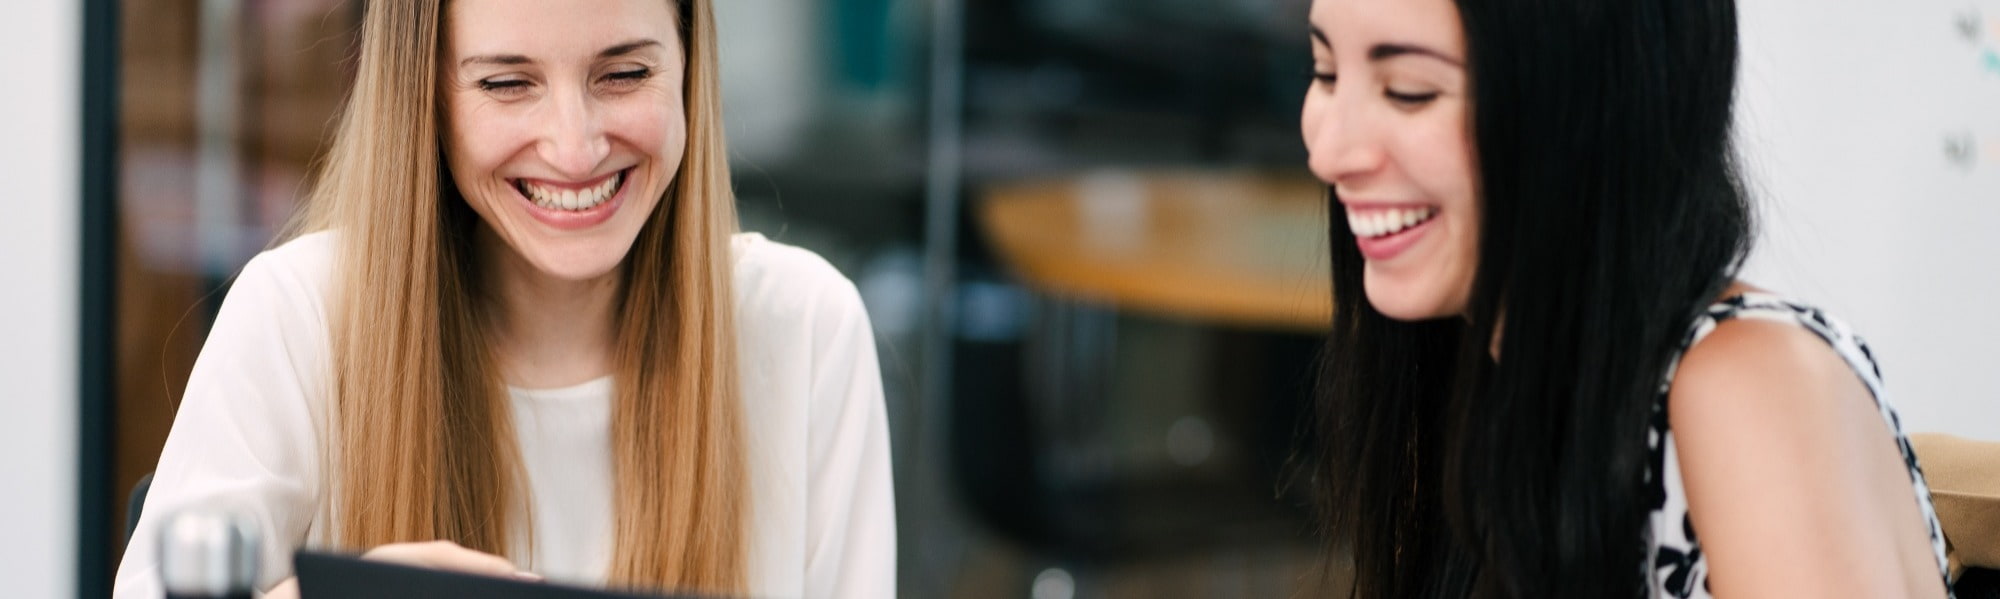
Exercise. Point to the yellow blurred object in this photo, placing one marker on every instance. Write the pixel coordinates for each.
(1964, 477)
(1238, 248)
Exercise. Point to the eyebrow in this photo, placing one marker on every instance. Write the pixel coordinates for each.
(1383, 52)
(517, 59)
(627, 48)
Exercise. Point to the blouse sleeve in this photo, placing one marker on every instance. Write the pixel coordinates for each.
(245, 436)
(851, 521)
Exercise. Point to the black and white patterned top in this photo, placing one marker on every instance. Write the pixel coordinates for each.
(1676, 566)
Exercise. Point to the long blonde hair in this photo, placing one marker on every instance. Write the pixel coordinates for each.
(421, 437)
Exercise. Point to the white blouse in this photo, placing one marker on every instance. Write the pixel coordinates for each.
(823, 519)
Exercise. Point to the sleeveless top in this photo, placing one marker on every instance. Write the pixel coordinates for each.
(1676, 567)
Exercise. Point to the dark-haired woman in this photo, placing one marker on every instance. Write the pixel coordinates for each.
(1543, 378)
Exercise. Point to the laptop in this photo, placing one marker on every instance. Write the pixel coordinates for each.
(337, 576)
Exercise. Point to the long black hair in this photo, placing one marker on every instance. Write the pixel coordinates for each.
(1612, 213)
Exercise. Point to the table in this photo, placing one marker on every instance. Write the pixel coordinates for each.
(1240, 248)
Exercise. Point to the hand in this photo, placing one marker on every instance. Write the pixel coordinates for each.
(438, 555)
(446, 555)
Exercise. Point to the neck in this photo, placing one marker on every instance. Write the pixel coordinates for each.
(548, 331)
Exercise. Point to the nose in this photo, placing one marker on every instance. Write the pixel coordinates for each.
(573, 139)
(1342, 143)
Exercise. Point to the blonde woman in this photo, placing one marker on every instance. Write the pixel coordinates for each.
(519, 335)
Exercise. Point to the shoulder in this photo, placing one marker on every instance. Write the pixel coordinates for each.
(776, 281)
(1764, 400)
(306, 261)
(1754, 383)
(1768, 358)
(277, 308)
(293, 277)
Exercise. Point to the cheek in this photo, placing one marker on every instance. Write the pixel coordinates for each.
(478, 142)
(1439, 154)
(650, 126)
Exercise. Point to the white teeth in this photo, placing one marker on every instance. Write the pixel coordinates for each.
(573, 199)
(1378, 223)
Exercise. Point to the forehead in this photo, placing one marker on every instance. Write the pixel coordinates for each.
(554, 29)
(1359, 24)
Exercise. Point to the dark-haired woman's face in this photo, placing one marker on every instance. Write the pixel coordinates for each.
(1385, 121)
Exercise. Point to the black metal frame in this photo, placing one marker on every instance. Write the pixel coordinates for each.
(97, 316)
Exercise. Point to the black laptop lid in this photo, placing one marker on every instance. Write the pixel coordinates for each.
(334, 576)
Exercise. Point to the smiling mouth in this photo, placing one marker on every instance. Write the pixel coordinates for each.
(569, 199)
(1372, 224)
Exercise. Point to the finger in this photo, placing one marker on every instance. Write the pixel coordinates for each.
(442, 555)
(467, 560)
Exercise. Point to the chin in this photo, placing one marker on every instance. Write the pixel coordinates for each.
(1406, 300)
(577, 263)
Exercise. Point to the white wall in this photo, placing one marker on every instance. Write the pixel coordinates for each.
(1847, 106)
(38, 297)
(770, 73)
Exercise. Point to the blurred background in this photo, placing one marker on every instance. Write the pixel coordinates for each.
(1083, 230)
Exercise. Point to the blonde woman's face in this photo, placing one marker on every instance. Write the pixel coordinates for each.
(564, 123)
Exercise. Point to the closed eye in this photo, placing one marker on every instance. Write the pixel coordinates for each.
(631, 75)
(1409, 99)
(502, 84)
(627, 80)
